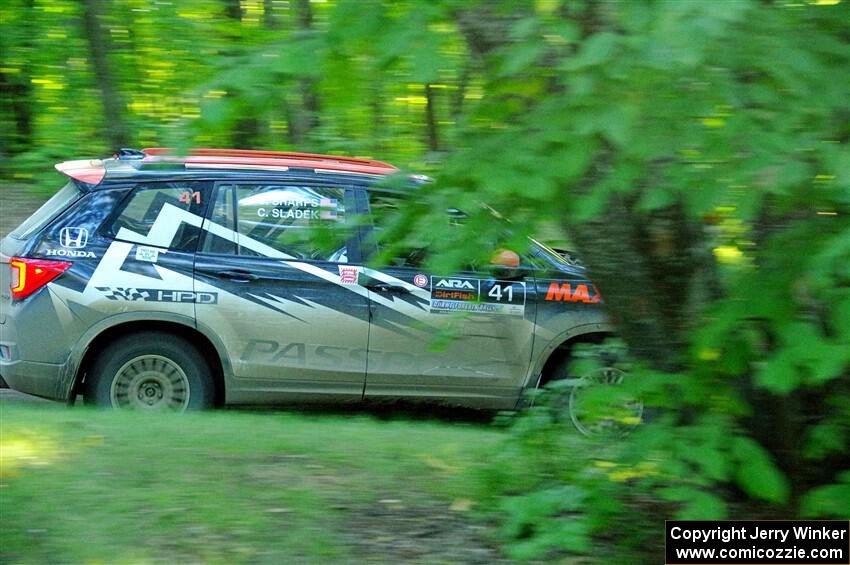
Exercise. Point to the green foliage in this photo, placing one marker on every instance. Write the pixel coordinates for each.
(757, 473)
(828, 501)
(530, 522)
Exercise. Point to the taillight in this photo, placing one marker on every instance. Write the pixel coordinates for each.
(29, 275)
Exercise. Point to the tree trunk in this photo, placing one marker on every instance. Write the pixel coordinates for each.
(376, 106)
(16, 91)
(233, 9)
(304, 118)
(431, 120)
(16, 95)
(652, 272)
(100, 48)
(246, 130)
(270, 20)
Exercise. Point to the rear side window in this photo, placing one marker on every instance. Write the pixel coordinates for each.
(173, 210)
(67, 195)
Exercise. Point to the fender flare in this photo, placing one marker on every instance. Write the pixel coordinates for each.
(79, 350)
(557, 341)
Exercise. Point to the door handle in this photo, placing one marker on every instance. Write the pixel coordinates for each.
(237, 275)
(379, 286)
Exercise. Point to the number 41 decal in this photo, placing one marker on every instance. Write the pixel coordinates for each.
(497, 291)
(187, 197)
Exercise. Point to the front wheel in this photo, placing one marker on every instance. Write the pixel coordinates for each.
(150, 371)
(597, 407)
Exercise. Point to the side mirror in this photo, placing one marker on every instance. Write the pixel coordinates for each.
(504, 264)
(505, 258)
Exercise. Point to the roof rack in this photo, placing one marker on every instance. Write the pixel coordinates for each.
(249, 154)
(125, 153)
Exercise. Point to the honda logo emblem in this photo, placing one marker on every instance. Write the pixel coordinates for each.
(73, 238)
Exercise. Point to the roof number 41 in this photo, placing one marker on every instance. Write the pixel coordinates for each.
(187, 197)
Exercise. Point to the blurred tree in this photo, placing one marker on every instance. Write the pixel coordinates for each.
(15, 84)
(100, 48)
(704, 181)
(304, 117)
(270, 18)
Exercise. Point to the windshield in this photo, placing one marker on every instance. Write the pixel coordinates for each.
(543, 250)
(48, 211)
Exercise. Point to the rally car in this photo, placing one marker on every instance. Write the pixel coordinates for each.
(164, 282)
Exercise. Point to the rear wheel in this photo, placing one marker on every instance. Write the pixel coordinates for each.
(150, 371)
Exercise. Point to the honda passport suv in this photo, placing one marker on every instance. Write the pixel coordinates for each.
(157, 281)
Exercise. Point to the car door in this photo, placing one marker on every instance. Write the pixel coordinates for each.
(286, 308)
(466, 336)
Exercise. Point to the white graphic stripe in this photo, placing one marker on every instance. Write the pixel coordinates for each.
(164, 230)
(400, 306)
(383, 277)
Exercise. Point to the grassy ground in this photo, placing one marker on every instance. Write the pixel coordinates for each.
(230, 487)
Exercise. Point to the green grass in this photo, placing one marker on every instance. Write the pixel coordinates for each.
(228, 487)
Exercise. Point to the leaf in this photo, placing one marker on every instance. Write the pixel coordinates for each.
(778, 375)
(697, 504)
(615, 124)
(656, 197)
(828, 501)
(591, 205)
(756, 474)
(825, 438)
(426, 64)
(594, 51)
(712, 461)
(574, 162)
(829, 363)
(522, 59)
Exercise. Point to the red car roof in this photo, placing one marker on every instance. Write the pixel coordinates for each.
(93, 171)
(244, 158)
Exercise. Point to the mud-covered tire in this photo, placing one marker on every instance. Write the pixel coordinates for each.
(150, 371)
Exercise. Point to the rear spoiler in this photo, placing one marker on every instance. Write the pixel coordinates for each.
(89, 171)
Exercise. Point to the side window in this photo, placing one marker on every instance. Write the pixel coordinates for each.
(382, 205)
(161, 202)
(218, 235)
(295, 221)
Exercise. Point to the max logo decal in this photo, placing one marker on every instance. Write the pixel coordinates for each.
(454, 283)
(565, 293)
